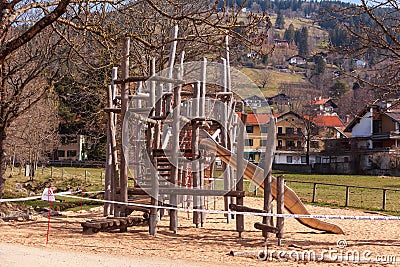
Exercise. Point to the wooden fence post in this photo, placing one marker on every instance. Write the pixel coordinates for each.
(384, 199)
(314, 194)
(347, 196)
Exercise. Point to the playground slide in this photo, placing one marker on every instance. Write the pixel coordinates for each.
(292, 202)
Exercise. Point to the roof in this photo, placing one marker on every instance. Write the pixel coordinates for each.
(320, 101)
(319, 120)
(257, 118)
(394, 115)
(327, 121)
(255, 97)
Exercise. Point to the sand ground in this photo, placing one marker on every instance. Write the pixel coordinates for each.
(208, 246)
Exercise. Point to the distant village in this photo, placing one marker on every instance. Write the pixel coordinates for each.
(321, 142)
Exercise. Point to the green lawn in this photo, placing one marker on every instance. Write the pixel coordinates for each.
(64, 178)
(335, 196)
(363, 198)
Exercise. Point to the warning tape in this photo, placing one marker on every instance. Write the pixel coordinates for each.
(39, 197)
(229, 212)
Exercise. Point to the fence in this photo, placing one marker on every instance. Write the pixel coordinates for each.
(386, 199)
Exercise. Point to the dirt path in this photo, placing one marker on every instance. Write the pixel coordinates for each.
(208, 246)
(22, 256)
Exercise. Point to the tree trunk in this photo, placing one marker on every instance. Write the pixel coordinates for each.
(308, 149)
(3, 159)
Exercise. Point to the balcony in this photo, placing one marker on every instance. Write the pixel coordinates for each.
(290, 148)
(386, 135)
(291, 135)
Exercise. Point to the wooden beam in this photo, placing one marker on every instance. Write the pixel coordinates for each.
(265, 228)
(148, 79)
(191, 192)
(245, 209)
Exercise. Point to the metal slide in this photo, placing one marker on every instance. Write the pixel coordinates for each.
(254, 173)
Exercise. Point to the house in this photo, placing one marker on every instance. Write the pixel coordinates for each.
(301, 139)
(297, 60)
(279, 99)
(375, 138)
(256, 135)
(256, 101)
(281, 43)
(71, 148)
(324, 106)
(359, 64)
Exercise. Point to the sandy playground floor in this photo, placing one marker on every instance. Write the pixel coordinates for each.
(207, 246)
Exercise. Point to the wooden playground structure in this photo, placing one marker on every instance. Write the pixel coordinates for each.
(169, 131)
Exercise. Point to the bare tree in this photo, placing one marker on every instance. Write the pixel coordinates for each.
(373, 30)
(42, 41)
(34, 135)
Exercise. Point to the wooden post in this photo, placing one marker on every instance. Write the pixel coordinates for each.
(267, 202)
(171, 62)
(62, 173)
(112, 178)
(195, 151)
(314, 195)
(202, 114)
(173, 226)
(120, 212)
(347, 196)
(85, 176)
(51, 171)
(154, 184)
(280, 206)
(224, 138)
(384, 199)
(240, 170)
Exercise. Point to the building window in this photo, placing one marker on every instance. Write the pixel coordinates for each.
(263, 142)
(249, 129)
(280, 130)
(60, 153)
(346, 159)
(280, 143)
(314, 130)
(71, 153)
(299, 144)
(289, 143)
(303, 159)
(299, 131)
(314, 144)
(318, 160)
(289, 130)
(264, 129)
(248, 142)
(377, 126)
(289, 159)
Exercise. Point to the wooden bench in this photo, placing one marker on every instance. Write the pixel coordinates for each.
(112, 223)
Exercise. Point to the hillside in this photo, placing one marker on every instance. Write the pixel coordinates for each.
(273, 79)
